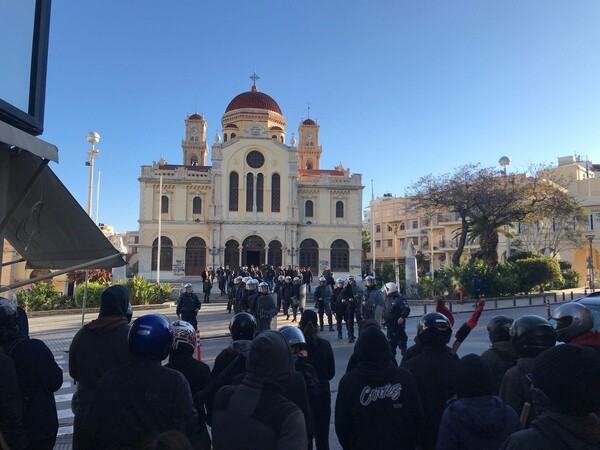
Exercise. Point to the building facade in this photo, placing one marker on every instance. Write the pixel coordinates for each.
(259, 201)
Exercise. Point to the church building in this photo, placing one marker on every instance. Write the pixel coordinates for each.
(253, 198)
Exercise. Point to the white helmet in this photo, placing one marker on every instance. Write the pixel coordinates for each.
(238, 279)
(322, 280)
(263, 288)
(280, 278)
(390, 288)
(288, 279)
(245, 279)
(296, 280)
(251, 284)
(187, 285)
(370, 280)
(351, 278)
(339, 282)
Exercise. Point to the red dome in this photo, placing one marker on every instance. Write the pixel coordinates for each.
(309, 122)
(255, 100)
(196, 116)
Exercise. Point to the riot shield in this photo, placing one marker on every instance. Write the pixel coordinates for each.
(266, 312)
(376, 297)
(358, 293)
(302, 299)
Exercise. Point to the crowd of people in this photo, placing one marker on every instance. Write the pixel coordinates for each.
(536, 387)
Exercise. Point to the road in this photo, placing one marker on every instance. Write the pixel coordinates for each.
(57, 332)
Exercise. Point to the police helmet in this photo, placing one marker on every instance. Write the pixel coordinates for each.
(370, 281)
(129, 313)
(245, 279)
(251, 284)
(351, 279)
(280, 278)
(530, 335)
(339, 282)
(238, 279)
(434, 329)
(296, 280)
(322, 280)
(390, 288)
(294, 336)
(188, 286)
(263, 287)
(242, 326)
(571, 320)
(150, 335)
(288, 279)
(9, 320)
(184, 336)
(499, 328)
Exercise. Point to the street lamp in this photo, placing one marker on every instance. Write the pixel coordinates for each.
(395, 226)
(93, 138)
(213, 251)
(504, 163)
(590, 266)
(292, 252)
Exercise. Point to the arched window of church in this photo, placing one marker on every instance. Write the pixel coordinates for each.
(224, 137)
(197, 205)
(274, 137)
(308, 208)
(164, 207)
(275, 193)
(309, 165)
(281, 139)
(340, 256)
(166, 254)
(339, 209)
(249, 192)
(194, 160)
(233, 135)
(260, 184)
(234, 182)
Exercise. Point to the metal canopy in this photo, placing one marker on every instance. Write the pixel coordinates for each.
(45, 224)
(16, 138)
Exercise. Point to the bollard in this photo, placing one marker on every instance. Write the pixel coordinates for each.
(571, 295)
(563, 297)
(496, 303)
(198, 352)
(424, 308)
(450, 305)
(514, 301)
(547, 300)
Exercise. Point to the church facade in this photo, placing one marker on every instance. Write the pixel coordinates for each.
(261, 200)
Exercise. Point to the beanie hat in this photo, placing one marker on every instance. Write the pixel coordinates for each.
(270, 358)
(569, 375)
(114, 301)
(372, 345)
(474, 377)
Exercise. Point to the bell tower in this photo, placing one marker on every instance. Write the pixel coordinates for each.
(309, 150)
(194, 144)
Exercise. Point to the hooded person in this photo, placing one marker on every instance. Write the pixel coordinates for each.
(477, 420)
(377, 405)
(566, 394)
(502, 355)
(98, 347)
(255, 414)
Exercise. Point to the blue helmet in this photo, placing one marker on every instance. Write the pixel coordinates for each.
(150, 335)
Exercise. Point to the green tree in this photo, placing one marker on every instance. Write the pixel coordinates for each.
(41, 297)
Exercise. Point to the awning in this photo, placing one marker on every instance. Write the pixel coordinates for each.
(49, 228)
(17, 138)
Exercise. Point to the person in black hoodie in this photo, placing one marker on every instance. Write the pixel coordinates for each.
(195, 372)
(435, 370)
(11, 406)
(38, 375)
(477, 420)
(502, 355)
(98, 347)
(378, 404)
(566, 394)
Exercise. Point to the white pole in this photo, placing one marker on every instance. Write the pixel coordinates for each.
(372, 228)
(91, 181)
(160, 188)
(98, 197)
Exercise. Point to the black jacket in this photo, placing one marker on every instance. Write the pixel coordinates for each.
(500, 357)
(436, 373)
(515, 389)
(554, 431)
(378, 407)
(137, 401)
(11, 405)
(39, 377)
(188, 303)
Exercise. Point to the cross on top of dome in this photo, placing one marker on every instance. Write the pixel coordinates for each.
(254, 77)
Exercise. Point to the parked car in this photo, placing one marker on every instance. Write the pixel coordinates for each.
(592, 302)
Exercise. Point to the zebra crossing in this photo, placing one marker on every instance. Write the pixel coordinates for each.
(63, 397)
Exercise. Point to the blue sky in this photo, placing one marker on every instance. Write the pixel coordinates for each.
(400, 88)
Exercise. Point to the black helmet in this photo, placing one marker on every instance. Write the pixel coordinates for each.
(242, 326)
(571, 320)
(434, 329)
(9, 320)
(294, 336)
(530, 335)
(499, 328)
(150, 335)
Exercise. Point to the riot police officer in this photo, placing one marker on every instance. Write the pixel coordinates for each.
(353, 297)
(373, 298)
(188, 306)
(339, 306)
(323, 302)
(395, 312)
(263, 306)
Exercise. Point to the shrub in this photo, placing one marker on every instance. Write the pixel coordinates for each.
(143, 292)
(41, 297)
(538, 272)
(94, 294)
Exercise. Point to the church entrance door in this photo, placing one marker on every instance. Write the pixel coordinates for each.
(253, 251)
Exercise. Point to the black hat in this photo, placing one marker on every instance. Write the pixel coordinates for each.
(474, 377)
(372, 345)
(569, 375)
(114, 301)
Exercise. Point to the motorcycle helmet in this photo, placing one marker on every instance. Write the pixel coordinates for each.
(499, 328)
(294, 336)
(150, 335)
(530, 335)
(390, 288)
(242, 327)
(263, 288)
(184, 336)
(434, 329)
(571, 320)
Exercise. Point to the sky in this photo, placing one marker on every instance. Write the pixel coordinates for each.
(400, 88)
